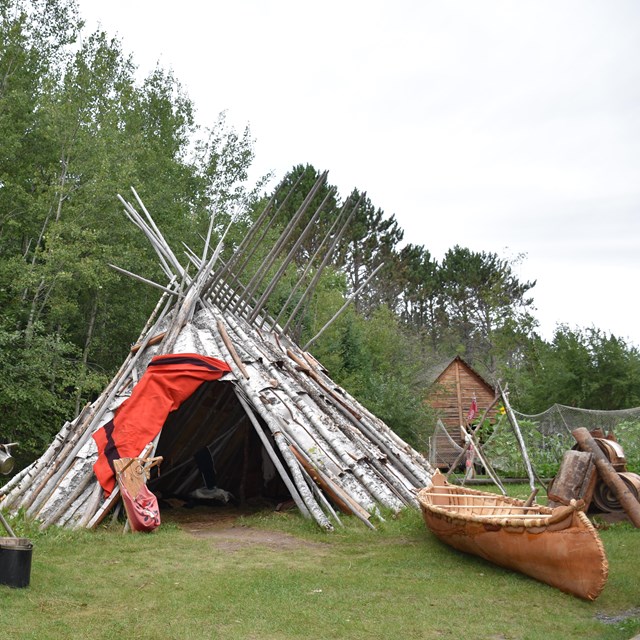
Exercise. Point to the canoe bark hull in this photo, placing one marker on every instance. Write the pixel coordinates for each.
(568, 555)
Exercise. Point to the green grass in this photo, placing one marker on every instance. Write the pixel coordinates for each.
(397, 582)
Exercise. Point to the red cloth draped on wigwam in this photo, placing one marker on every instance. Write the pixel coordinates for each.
(168, 381)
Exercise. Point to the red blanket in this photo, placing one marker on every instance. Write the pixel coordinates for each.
(168, 381)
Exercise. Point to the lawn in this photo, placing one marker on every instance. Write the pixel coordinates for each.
(274, 575)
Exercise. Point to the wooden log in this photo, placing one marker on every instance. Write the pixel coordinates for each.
(318, 380)
(91, 507)
(609, 475)
(17, 479)
(71, 498)
(322, 499)
(335, 440)
(575, 479)
(342, 500)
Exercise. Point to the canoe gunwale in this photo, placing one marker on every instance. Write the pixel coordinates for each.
(546, 516)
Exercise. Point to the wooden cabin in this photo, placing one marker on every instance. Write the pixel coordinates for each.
(451, 395)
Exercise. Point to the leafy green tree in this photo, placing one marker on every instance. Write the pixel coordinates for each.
(77, 130)
(486, 306)
(370, 242)
(580, 368)
(38, 378)
(418, 281)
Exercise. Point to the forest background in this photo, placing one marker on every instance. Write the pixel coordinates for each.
(77, 128)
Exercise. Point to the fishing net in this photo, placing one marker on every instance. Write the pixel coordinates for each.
(547, 436)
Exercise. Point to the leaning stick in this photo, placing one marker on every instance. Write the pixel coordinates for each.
(205, 249)
(141, 279)
(231, 349)
(310, 262)
(5, 489)
(314, 282)
(344, 306)
(156, 243)
(159, 235)
(287, 261)
(302, 495)
(321, 497)
(297, 498)
(254, 283)
(242, 250)
(485, 463)
(520, 439)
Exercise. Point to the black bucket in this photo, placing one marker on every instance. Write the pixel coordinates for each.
(15, 561)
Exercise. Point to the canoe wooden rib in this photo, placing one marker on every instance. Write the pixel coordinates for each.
(557, 546)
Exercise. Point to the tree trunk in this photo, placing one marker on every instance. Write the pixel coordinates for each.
(85, 352)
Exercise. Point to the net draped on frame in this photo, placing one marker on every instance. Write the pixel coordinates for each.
(548, 436)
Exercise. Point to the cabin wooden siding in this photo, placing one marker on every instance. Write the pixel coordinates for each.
(451, 396)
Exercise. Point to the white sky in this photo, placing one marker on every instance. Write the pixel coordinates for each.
(503, 126)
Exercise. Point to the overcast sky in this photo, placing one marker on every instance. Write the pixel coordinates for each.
(510, 127)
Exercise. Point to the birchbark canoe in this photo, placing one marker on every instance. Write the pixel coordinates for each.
(558, 546)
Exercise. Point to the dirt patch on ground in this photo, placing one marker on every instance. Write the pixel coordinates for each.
(621, 617)
(221, 525)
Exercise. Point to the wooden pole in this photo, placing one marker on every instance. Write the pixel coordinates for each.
(289, 258)
(6, 526)
(307, 269)
(519, 438)
(485, 463)
(609, 475)
(459, 394)
(314, 282)
(344, 306)
(259, 276)
(231, 349)
(233, 268)
(145, 280)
